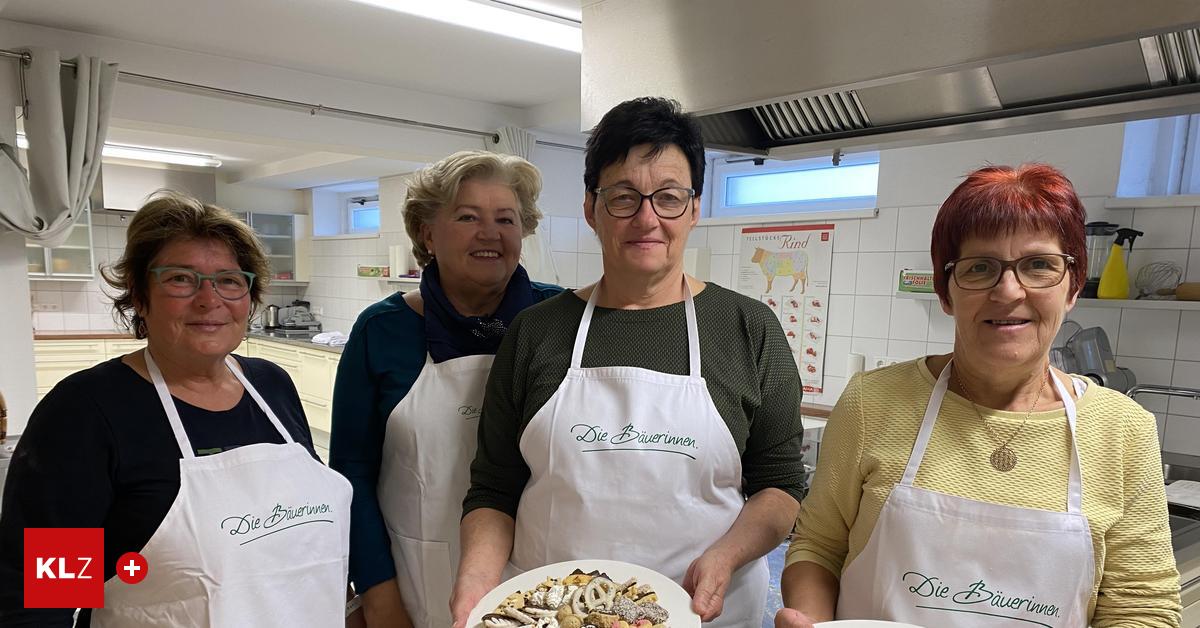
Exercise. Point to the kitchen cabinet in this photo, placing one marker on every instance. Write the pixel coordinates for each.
(286, 240)
(71, 260)
(312, 370)
(54, 360)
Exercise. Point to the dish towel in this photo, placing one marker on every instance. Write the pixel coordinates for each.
(331, 338)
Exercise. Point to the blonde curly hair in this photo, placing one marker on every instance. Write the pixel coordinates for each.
(437, 185)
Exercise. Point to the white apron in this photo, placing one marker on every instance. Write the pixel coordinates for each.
(635, 465)
(428, 447)
(939, 560)
(258, 536)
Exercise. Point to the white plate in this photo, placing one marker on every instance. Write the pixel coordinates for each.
(862, 623)
(671, 596)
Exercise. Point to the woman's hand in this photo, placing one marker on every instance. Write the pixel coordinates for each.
(792, 618)
(384, 608)
(468, 590)
(487, 541)
(706, 580)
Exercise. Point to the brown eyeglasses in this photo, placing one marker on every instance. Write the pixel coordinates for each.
(1042, 270)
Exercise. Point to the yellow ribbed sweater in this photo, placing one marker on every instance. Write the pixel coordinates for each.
(870, 435)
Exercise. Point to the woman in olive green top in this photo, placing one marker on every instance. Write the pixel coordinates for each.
(631, 420)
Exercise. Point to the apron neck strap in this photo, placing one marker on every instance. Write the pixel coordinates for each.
(1075, 480)
(927, 423)
(168, 403)
(693, 330)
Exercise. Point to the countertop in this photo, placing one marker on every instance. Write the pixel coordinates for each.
(82, 335)
(297, 340)
(1185, 541)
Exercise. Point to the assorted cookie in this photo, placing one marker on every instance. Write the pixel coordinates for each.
(580, 600)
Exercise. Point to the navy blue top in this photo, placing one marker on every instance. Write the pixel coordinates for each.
(380, 362)
(99, 452)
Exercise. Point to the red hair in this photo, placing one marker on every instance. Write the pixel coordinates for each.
(998, 200)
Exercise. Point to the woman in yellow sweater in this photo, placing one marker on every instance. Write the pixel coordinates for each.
(985, 488)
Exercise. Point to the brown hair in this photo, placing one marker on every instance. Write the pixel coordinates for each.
(170, 216)
(436, 186)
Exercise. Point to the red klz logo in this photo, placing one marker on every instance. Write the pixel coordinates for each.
(64, 567)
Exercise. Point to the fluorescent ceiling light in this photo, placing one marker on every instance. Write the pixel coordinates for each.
(566, 13)
(494, 18)
(121, 151)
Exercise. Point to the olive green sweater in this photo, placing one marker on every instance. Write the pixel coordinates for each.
(745, 362)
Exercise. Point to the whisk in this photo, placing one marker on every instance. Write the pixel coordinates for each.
(1157, 276)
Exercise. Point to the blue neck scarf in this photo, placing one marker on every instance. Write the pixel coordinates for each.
(450, 335)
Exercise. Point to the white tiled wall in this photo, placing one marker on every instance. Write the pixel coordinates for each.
(865, 316)
(335, 289)
(84, 305)
(1159, 346)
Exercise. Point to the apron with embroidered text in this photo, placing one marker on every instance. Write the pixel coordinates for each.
(428, 447)
(634, 465)
(939, 560)
(257, 536)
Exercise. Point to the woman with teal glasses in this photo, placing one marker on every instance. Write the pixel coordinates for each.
(199, 460)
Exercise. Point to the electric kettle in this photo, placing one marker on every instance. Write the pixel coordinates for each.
(270, 317)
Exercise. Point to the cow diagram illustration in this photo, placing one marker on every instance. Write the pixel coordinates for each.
(774, 264)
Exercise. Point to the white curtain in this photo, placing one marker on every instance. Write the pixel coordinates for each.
(66, 123)
(535, 250)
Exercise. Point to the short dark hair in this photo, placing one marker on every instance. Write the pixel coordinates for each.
(659, 122)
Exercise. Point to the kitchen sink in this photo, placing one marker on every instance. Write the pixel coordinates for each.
(1180, 467)
(1181, 525)
(1185, 521)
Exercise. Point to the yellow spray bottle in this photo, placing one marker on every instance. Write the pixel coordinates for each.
(1114, 280)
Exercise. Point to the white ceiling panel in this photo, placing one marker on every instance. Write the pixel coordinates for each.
(338, 38)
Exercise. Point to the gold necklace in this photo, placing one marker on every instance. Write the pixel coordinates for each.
(1003, 459)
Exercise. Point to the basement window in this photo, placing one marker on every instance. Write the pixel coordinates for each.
(1161, 157)
(362, 216)
(744, 188)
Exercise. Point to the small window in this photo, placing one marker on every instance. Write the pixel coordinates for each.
(362, 214)
(364, 219)
(752, 187)
(1161, 157)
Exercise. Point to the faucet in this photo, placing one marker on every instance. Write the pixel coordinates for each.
(1170, 391)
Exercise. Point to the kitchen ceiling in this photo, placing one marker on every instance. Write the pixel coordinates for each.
(337, 38)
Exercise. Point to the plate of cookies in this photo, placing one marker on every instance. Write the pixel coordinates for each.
(579, 593)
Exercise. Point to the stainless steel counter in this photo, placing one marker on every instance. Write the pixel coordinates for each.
(295, 339)
(1185, 528)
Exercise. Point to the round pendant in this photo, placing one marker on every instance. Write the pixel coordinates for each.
(1004, 459)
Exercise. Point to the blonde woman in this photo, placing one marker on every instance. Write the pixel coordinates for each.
(411, 378)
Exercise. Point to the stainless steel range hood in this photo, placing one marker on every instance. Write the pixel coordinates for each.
(787, 77)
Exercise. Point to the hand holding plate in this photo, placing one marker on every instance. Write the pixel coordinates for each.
(792, 618)
(706, 580)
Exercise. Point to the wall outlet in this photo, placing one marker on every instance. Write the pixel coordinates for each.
(883, 360)
(47, 307)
